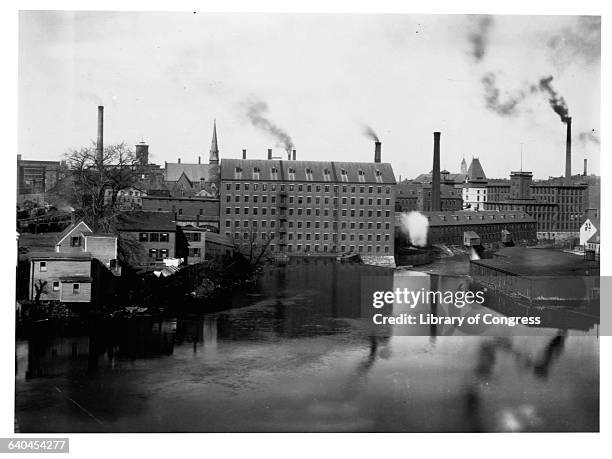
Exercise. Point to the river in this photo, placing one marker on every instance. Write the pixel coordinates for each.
(292, 354)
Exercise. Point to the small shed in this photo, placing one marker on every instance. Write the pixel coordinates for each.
(471, 239)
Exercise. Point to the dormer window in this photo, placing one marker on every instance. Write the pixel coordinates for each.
(256, 172)
(379, 178)
(291, 173)
(361, 175)
(327, 175)
(308, 173)
(238, 173)
(343, 175)
(274, 173)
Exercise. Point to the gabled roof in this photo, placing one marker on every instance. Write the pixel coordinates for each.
(64, 234)
(194, 172)
(146, 221)
(79, 256)
(594, 239)
(321, 171)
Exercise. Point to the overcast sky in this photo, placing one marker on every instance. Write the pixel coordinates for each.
(164, 77)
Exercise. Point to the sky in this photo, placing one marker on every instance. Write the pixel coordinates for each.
(313, 81)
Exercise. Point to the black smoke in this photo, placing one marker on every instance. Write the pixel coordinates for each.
(506, 105)
(256, 113)
(479, 36)
(580, 42)
(368, 131)
(556, 101)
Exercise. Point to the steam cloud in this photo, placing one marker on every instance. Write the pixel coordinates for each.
(589, 136)
(556, 101)
(256, 113)
(492, 95)
(415, 226)
(368, 131)
(582, 41)
(479, 37)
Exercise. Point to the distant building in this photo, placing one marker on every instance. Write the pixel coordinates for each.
(463, 167)
(487, 228)
(557, 206)
(35, 179)
(126, 199)
(63, 277)
(411, 196)
(590, 226)
(475, 189)
(198, 211)
(309, 207)
(150, 237)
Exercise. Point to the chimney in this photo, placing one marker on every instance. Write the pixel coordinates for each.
(199, 160)
(377, 151)
(269, 153)
(585, 167)
(294, 155)
(244, 154)
(568, 149)
(179, 160)
(435, 174)
(100, 142)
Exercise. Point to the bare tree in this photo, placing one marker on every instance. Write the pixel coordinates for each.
(91, 185)
(40, 288)
(256, 247)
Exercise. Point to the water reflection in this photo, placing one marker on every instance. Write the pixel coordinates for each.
(294, 354)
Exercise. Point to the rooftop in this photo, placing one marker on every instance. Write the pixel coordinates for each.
(468, 217)
(79, 256)
(531, 262)
(146, 221)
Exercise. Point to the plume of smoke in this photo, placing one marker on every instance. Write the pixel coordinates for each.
(479, 36)
(589, 136)
(256, 113)
(582, 41)
(368, 131)
(415, 225)
(493, 97)
(556, 101)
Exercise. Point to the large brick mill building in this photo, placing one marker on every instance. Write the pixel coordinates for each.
(310, 207)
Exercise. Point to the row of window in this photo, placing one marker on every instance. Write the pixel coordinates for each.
(308, 224)
(308, 200)
(158, 254)
(308, 188)
(307, 212)
(308, 172)
(154, 237)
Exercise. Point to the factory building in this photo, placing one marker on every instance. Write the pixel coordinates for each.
(475, 189)
(411, 196)
(309, 207)
(35, 179)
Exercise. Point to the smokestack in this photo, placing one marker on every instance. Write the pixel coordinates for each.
(585, 167)
(100, 141)
(244, 154)
(199, 160)
(435, 175)
(568, 149)
(377, 151)
(142, 153)
(269, 153)
(294, 155)
(179, 160)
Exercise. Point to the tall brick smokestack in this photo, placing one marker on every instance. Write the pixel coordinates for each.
(294, 155)
(244, 153)
(585, 167)
(269, 153)
(377, 152)
(100, 140)
(435, 175)
(568, 148)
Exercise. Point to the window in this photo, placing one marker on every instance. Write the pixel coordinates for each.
(56, 286)
(164, 237)
(361, 175)
(195, 252)
(75, 241)
(152, 253)
(43, 265)
(76, 288)
(143, 237)
(308, 173)
(154, 237)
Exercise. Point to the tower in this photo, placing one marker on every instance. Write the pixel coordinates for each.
(214, 149)
(464, 169)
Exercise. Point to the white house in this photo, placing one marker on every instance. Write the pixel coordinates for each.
(588, 229)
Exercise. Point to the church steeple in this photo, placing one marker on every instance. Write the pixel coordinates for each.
(214, 149)
(464, 169)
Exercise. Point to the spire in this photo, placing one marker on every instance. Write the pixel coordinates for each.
(463, 166)
(214, 149)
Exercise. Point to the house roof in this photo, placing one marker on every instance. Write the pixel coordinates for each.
(471, 234)
(38, 242)
(370, 172)
(146, 221)
(594, 239)
(194, 172)
(80, 279)
(79, 256)
(71, 228)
